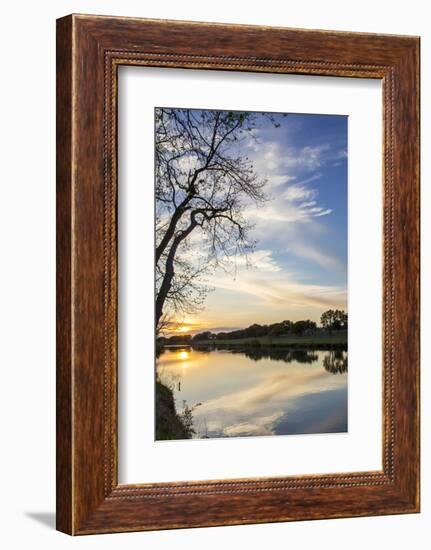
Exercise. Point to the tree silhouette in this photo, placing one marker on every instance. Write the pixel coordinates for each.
(334, 319)
(203, 184)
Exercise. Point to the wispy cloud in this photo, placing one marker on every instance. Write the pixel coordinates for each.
(293, 200)
(310, 157)
(310, 179)
(310, 252)
(292, 207)
(260, 260)
(299, 192)
(281, 289)
(274, 158)
(295, 212)
(257, 408)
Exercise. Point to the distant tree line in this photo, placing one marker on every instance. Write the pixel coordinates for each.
(331, 320)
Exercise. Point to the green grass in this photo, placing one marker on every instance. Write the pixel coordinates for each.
(335, 339)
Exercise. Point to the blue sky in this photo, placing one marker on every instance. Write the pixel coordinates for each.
(308, 160)
(299, 267)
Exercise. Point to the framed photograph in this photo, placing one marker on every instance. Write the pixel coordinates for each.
(237, 274)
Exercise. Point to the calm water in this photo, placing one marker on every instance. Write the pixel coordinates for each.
(252, 392)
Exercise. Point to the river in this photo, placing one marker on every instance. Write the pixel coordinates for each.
(258, 391)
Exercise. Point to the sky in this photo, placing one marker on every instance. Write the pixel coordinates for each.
(299, 266)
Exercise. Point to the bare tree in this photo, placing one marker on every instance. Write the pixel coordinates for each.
(203, 183)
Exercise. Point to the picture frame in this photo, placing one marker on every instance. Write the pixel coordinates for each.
(89, 51)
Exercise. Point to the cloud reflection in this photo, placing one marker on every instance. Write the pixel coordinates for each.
(242, 397)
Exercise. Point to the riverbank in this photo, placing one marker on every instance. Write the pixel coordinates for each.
(170, 424)
(316, 341)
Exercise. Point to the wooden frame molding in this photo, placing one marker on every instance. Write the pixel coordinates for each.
(89, 51)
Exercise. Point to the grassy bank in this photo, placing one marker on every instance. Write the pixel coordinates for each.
(336, 340)
(170, 424)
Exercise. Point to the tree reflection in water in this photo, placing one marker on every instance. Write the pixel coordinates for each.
(237, 390)
(335, 362)
(280, 354)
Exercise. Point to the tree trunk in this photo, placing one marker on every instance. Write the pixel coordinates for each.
(169, 271)
(176, 216)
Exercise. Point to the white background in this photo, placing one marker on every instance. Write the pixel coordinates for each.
(27, 120)
(141, 458)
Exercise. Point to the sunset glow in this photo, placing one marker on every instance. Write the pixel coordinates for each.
(251, 274)
(298, 268)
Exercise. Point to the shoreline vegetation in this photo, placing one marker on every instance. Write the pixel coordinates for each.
(313, 342)
(332, 334)
(169, 423)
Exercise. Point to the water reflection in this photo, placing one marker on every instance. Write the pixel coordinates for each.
(335, 362)
(258, 391)
(275, 353)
